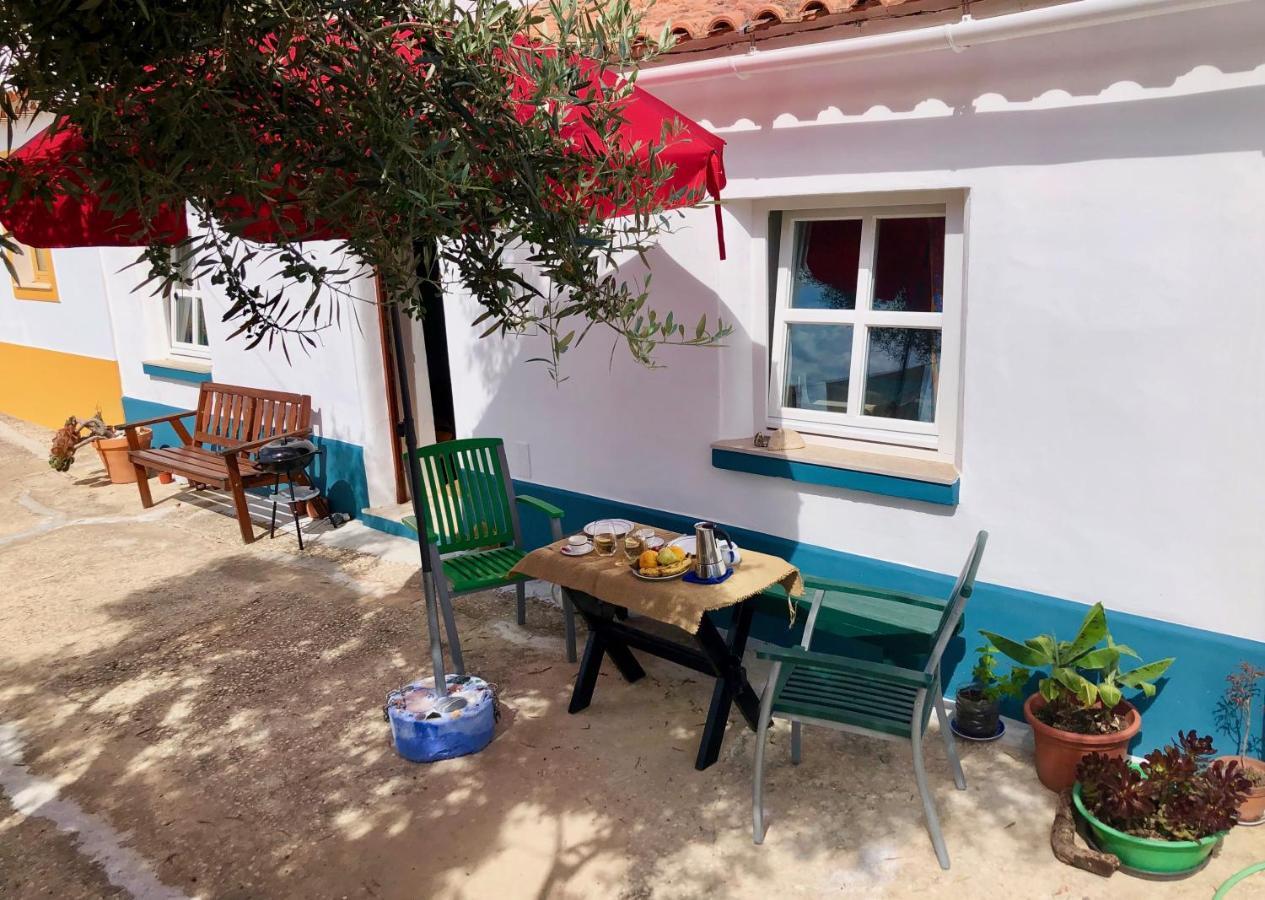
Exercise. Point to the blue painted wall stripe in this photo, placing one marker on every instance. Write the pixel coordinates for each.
(172, 373)
(850, 479)
(1188, 697)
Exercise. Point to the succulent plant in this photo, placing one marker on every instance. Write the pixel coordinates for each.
(1175, 794)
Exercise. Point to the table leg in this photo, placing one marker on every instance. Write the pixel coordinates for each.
(731, 681)
(599, 644)
(590, 664)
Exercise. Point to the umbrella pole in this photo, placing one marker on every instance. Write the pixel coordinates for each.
(406, 428)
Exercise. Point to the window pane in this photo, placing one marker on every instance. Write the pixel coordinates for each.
(901, 373)
(24, 263)
(909, 265)
(826, 258)
(202, 340)
(817, 361)
(42, 263)
(181, 319)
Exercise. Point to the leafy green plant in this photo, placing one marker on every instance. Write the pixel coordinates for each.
(987, 685)
(1086, 671)
(1174, 795)
(436, 136)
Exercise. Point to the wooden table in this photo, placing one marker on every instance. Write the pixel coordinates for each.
(604, 593)
(716, 656)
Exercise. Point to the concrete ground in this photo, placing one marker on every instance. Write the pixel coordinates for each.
(185, 716)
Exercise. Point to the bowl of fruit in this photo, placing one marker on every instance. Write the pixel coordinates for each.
(663, 564)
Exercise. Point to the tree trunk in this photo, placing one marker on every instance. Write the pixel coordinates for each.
(1067, 850)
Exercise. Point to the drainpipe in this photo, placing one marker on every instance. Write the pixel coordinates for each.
(955, 36)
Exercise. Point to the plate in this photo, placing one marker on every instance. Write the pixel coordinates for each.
(568, 550)
(637, 572)
(622, 526)
(687, 543)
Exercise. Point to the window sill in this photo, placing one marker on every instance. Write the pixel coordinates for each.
(930, 481)
(191, 370)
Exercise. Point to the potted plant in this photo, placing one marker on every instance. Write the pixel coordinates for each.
(977, 709)
(1243, 686)
(1166, 815)
(1079, 707)
(109, 442)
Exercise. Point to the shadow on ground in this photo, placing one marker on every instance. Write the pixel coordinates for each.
(236, 731)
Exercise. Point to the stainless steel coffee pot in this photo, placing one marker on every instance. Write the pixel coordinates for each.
(711, 560)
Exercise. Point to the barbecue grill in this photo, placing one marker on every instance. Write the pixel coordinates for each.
(287, 458)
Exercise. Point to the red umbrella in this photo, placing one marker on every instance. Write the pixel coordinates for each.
(77, 218)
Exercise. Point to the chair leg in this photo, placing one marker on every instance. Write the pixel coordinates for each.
(568, 613)
(797, 743)
(757, 783)
(761, 739)
(950, 745)
(928, 805)
(521, 590)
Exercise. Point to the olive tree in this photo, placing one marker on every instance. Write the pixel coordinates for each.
(402, 127)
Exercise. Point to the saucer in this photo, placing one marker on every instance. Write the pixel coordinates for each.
(569, 550)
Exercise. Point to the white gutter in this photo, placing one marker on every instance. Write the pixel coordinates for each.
(955, 36)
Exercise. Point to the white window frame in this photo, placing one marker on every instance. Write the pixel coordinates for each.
(939, 435)
(196, 350)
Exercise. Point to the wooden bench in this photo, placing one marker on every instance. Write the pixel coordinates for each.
(230, 423)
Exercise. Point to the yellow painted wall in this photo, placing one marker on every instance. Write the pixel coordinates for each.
(46, 386)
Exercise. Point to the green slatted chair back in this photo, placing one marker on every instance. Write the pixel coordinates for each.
(953, 609)
(468, 494)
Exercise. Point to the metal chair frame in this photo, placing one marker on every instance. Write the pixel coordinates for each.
(928, 696)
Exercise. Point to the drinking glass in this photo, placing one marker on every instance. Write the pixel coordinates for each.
(604, 539)
(632, 545)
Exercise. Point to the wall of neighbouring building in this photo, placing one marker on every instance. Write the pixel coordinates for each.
(1114, 322)
(57, 353)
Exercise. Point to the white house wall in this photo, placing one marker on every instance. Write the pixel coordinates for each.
(343, 373)
(1114, 324)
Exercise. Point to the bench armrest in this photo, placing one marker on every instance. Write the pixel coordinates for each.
(411, 522)
(548, 509)
(154, 421)
(255, 445)
(797, 656)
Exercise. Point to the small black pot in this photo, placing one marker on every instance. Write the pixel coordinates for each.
(973, 715)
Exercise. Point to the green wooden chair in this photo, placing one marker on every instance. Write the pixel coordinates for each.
(473, 537)
(864, 697)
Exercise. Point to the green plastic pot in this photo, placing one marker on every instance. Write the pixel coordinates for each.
(1148, 855)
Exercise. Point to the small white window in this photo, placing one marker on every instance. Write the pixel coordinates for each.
(865, 325)
(186, 320)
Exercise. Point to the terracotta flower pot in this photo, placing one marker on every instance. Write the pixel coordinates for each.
(165, 478)
(113, 453)
(1059, 752)
(1251, 810)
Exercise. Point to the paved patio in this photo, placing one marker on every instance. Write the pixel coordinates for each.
(182, 715)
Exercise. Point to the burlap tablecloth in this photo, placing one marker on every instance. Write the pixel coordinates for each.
(676, 602)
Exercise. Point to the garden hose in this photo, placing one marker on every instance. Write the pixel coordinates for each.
(1234, 879)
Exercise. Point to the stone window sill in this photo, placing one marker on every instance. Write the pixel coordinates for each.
(191, 370)
(930, 481)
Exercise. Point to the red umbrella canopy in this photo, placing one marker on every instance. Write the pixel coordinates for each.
(76, 217)
(70, 215)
